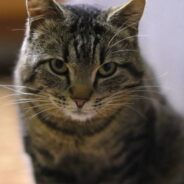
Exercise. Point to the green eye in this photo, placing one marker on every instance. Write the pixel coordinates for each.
(58, 66)
(107, 69)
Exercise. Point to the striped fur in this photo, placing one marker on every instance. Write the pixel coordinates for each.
(126, 133)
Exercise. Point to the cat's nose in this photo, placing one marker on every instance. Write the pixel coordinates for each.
(80, 102)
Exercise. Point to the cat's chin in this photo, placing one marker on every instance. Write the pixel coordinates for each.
(80, 116)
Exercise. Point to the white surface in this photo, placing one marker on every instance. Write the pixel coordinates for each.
(163, 46)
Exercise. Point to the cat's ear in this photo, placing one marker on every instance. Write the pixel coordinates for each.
(127, 15)
(40, 8)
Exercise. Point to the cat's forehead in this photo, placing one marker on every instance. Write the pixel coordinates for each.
(82, 38)
(82, 19)
(77, 42)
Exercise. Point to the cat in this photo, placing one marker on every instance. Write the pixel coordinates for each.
(91, 110)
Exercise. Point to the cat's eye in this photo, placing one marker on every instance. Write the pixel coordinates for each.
(107, 69)
(58, 66)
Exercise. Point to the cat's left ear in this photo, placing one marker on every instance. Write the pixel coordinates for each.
(127, 15)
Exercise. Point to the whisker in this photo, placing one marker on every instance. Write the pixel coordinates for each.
(18, 29)
(146, 90)
(13, 103)
(34, 106)
(14, 86)
(118, 32)
(20, 89)
(139, 113)
(23, 101)
(31, 99)
(138, 97)
(157, 77)
(45, 110)
(154, 87)
(126, 50)
(8, 96)
(129, 37)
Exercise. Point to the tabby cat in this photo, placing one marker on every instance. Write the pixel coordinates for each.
(91, 110)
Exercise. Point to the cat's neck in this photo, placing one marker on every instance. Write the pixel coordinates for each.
(123, 146)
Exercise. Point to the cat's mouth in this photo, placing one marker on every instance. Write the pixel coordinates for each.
(80, 115)
(79, 111)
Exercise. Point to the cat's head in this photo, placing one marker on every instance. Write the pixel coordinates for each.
(80, 62)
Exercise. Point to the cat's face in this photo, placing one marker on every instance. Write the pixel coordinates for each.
(80, 64)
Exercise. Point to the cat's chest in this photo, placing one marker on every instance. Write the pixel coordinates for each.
(57, 149)
(76, 154)
(60, 146)
(82, 157)
(80, 160)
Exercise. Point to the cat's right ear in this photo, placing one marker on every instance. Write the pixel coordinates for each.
(40, 8)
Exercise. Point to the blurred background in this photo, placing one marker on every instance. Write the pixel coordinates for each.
(13, 165)
(12, 19)
(162, 45)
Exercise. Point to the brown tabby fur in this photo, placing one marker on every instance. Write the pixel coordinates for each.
(126, 133)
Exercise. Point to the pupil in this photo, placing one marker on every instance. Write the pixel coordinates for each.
(58, 64)
(107, 67)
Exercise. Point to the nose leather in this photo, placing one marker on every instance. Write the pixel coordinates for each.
(80, 102)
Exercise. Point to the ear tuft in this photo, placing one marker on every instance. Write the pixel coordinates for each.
(128, 14)
(36, 8)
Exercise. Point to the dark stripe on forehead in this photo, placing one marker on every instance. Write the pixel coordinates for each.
(102, 54)
(95, 43)
(66, 52)
(76, 44)
(87, 33)
(85, 46)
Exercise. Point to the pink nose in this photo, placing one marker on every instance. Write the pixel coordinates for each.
(80, 102)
